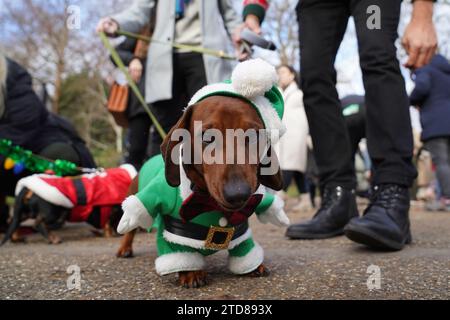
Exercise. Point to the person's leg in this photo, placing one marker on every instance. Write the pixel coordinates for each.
(287, 179)
(138, 140)
(389, 131)
(322, 27)
(168, 112)
(194, 72)
(440, 153)
(385, 223)
(299, 179)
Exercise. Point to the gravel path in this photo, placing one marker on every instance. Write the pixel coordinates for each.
(325, 269)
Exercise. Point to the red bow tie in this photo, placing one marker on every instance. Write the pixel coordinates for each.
(199, 203)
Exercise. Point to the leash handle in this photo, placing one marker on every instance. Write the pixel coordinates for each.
(202, 50)
(115, 56)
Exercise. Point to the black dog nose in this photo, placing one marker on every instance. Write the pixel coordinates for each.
(237, 193)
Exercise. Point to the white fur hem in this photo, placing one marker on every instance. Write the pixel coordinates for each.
(248, 263)
(275, 214)
(179, 261)
(130, 169)
(135, 215)
(272, 121)
(199, 244)
(45, 191)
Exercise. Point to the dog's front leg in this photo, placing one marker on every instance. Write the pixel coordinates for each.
(193, 279)
(261, 271)
(126, 246)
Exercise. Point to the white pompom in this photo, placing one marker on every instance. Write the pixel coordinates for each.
(254, 78)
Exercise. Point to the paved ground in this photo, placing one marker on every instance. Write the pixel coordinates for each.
(335, 268)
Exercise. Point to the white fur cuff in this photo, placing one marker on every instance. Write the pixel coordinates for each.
(248, 263)
(275, 214)
(179, 261)
(135, 215)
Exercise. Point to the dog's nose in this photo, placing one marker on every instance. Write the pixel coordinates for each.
(237, 193)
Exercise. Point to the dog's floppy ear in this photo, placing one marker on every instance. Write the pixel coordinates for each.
(172, 169)
(269, 171)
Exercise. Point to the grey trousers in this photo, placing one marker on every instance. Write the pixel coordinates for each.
(440, 153)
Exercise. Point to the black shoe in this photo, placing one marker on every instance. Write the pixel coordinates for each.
(338, 208)
(385, 223)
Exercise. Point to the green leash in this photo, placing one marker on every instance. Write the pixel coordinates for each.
(202, 50)
(115, 56)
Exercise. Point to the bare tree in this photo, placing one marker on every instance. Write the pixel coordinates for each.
(282, 27)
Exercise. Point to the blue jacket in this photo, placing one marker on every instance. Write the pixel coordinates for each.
(432, 96)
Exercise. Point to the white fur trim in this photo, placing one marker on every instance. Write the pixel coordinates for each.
(254, 78)
(199, 244)
(45, 191)
(179, 261)
(248, 263)
(130, 169)
(274, 126)
(135, 215)
(275, 214)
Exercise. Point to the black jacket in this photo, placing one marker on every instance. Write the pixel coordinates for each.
(27, 122)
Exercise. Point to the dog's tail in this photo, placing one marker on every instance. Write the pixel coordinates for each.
(17, 217)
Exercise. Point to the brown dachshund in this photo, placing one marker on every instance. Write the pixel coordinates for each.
(230, 185)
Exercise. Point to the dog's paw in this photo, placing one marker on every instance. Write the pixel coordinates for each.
(261, 271)
(193, 279)
(125, 253)
(54, 239)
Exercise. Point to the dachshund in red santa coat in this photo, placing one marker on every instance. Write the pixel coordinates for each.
(51, 201)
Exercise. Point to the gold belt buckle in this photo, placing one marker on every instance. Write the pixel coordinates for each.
(209, 244)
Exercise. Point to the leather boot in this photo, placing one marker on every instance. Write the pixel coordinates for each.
(337, 209)
(385, 223)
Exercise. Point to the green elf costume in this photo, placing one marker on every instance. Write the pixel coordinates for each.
(191, 225)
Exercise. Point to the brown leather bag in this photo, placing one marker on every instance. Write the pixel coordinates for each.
(119, 94)
(118, 103)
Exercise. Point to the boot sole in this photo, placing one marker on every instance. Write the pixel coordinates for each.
(309, 236)
(373, 240)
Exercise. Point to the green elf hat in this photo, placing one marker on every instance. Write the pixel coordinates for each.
(255, 82)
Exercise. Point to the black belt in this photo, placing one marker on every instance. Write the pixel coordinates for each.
(216, 238)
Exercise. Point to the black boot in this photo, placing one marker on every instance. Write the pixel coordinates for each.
(385, 223)
(337, 209)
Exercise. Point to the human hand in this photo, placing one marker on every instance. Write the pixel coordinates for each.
(420, 40)
(252, 23)
(136, 68)
(108, 26)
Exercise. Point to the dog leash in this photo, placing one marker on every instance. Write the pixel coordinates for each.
(216, 53)
(116, 58)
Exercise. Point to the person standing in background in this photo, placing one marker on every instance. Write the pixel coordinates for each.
(173, 76)
(322, 24)
(134, 54)
(432, 95)
(293, 151)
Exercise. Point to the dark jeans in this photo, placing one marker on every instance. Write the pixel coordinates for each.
(440, 153)
(138, 136)
(298, 177)
(388, 127)
(188, 77)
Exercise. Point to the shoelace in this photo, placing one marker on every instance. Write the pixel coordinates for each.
(385, 196)
(330, 196)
